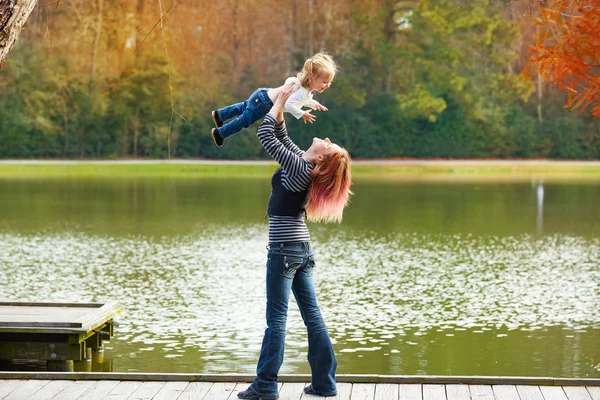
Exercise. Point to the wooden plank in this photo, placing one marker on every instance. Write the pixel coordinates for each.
(98, 390)
(458, 392)
(594, 392)
(386, 391)
(48, 304)
(171, 391)
(553, 393)
(240, 386)
(344, 392)
(220, 391)
(27, 390)
(410, 392)
(9, 386)
(363, 391)
(505, 392)
(291, 391)
(529, 392)
(577, 393)
(53, 316)
(146, 391)
(481, 392)
(217, 377)
(52, 389)
(75, 390)
(195, 390)
(40, 351)
(434, 392)
(123, 390)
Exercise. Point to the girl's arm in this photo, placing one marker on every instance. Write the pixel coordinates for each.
(294, 104)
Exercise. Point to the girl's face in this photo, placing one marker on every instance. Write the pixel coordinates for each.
(321, 82)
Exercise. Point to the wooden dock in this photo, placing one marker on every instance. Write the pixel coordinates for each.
(128, 386)
(58, 333)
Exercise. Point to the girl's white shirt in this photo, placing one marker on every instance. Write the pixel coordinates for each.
(300, 98)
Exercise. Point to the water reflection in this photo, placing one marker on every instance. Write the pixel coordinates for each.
(420, 278)
(417, 301)
(539, 191)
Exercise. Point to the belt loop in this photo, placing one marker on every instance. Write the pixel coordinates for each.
(281, 246)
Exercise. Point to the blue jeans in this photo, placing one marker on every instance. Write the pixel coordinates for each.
(290, 266)
(247, 113)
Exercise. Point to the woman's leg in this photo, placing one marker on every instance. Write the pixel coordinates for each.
(279, 283)
(320, 351)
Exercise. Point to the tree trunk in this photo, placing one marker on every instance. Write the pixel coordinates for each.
(100, 5)
(234, 28)
(13, 15)
(539, 92)
(311, 49)
(136, 131)
(139, 26)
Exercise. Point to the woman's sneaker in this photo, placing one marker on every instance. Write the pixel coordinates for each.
(250, 394)
(309, 390)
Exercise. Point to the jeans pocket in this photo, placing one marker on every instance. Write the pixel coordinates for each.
(310, 265)
(291, 264)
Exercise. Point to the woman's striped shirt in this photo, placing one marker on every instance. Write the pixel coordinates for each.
(295, 176)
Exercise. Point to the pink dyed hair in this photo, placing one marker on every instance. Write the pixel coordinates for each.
(329, 190)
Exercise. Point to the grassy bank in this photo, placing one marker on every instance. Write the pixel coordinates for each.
(396, 171)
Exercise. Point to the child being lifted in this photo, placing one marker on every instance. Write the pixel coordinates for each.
(317, 74)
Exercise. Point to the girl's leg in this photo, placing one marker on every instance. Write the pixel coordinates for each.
(320, 351)
(253, 109)
(231, 111)
(271, 354)
(247, 118)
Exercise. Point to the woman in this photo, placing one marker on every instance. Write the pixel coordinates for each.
(315, 183)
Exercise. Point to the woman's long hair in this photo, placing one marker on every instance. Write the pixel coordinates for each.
(329, 190)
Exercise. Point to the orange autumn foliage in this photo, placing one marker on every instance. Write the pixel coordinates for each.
(567, 52)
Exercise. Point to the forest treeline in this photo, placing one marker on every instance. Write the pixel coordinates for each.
(417, 78)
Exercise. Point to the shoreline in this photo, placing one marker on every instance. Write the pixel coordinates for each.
(376, 169)
(374, 162)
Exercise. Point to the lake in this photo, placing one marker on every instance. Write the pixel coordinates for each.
(436, 277)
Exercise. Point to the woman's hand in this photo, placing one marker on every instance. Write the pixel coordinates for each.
(286, 92)
(282, 97)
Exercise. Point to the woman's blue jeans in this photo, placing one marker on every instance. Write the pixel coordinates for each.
(290, 267)
(245, 113)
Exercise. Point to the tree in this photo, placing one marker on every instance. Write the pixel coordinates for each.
(13, 14)
(567, 52)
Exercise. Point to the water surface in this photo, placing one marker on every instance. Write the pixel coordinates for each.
(448, 278)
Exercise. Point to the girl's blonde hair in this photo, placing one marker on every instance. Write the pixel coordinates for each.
(329, 190)
(317, 65)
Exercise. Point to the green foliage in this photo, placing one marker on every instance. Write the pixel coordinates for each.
(429, 81)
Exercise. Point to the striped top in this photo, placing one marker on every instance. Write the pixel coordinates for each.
(295, 176)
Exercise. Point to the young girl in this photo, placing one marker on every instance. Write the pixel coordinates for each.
(317, 74)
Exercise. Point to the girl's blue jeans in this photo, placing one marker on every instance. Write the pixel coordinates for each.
(245, 113)
(290, 267)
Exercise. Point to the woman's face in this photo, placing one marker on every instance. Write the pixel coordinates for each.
(322, 147)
